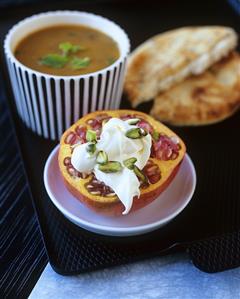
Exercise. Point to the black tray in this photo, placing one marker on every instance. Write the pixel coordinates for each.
(209, 227)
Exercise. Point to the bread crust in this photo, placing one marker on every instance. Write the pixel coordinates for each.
(170, 57)
(204, 99)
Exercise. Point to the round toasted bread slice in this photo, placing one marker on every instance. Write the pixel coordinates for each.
(167, 153)
(168, 58)
(203, 99)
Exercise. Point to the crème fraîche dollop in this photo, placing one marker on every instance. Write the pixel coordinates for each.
(118, 147)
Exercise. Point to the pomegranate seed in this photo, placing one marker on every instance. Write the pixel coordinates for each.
(70, 138)
(81, 132)
(67, 161)
(145, 125)
(94, 123)
(90, 121)
(73, 172)
(96, 187)
(152, 172)
(126, 116)
(178, 147)
(103, 116)
(165, 148)
(174, 156)
(153, 179)
(98, 132)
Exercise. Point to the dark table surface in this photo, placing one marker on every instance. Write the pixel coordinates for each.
(22, 251)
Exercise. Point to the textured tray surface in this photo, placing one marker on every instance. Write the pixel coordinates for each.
(217, 254)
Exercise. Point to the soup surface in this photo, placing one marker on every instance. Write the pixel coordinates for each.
(67, 50)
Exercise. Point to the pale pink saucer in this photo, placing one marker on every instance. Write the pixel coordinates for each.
(167, 206)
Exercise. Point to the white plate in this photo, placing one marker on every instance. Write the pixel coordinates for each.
(167, 206)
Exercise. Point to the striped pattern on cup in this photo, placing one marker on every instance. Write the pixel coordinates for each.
(49, 106)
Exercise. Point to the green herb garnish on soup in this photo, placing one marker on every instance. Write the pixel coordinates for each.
(80, 63)
(60, 60)
(67, 50)
(54, 60)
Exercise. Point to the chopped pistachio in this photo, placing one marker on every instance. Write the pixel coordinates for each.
(102, 157)
(110, 167)
(133, 121)
(140, 174)
(155, 135)
(129, 163)
(91, 136)
(91, 148)
(136, 133)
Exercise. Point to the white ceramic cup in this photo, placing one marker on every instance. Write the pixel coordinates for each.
(49, 104)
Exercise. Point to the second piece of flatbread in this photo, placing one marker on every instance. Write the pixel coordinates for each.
(203, 99)
(172, 56)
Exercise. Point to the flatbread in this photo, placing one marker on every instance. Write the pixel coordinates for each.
(203, 99)
(170, 57)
